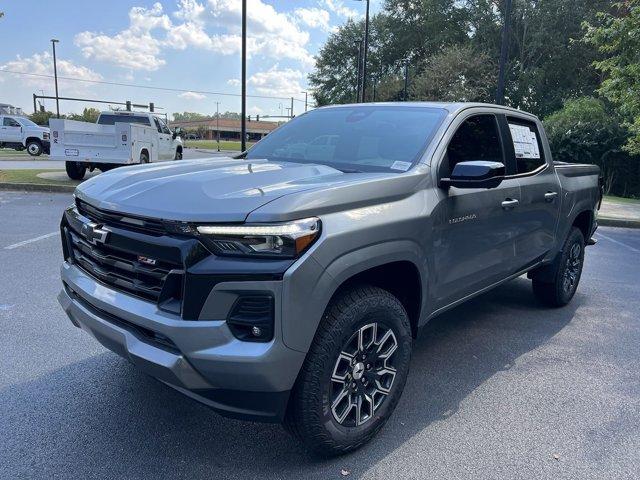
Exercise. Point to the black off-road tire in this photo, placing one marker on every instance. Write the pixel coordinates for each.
(178, 154)
(309, 416)
(75, 170)
(34, 148)
(144, 157)
(560, 290)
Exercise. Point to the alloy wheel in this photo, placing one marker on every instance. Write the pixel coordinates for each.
(363, 375)
(572, 268)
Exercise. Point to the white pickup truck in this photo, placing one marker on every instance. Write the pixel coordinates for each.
(20, 133)
(116, 139)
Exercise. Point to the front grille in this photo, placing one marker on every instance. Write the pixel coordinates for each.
(128, 222)
(120, 269)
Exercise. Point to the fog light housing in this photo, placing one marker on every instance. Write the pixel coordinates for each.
(251, 318)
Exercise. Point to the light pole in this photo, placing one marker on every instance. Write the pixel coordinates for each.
(306, 97)
(243, 113)
(358, 85)
(504, 53)
(218, 124)
(406, 80)
(55, 75)
(364, 54)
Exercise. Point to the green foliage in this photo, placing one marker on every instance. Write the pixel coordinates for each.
(617, 37)
(188, 116)
(587, 130)
(42, 118)
(459, 73)
(88, 115)
(547, 61)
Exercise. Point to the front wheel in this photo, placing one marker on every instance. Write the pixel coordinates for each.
(563, 285)
(354, 373)
(178, 154)
(75, 170)
(34, 148)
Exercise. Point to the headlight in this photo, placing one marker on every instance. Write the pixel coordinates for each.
(281, 240)
(45, 136)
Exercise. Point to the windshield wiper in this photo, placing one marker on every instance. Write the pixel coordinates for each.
(347, 170)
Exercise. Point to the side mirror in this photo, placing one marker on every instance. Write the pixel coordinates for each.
(475, 174)
(176, 132)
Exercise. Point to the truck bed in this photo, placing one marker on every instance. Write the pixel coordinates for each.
(93, 143)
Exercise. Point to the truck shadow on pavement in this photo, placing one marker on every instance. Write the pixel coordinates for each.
(102, 418)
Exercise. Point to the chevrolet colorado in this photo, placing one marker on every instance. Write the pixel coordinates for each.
(289, 283)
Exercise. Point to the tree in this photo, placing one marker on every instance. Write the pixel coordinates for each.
(42, 118)
(587, 130)
(189, 116)
(458, 74)
(617, 37)
(88, 115)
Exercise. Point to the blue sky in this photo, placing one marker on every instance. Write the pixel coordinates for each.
(189, 45)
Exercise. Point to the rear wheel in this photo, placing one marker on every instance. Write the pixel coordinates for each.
(563, 284)
(34, 148)
(144, 157)
(75, 170)
(354, 373)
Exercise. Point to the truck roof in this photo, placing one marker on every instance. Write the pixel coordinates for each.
(451, 107)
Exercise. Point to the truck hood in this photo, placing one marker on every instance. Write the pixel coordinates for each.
(32, 130)
(206, 190)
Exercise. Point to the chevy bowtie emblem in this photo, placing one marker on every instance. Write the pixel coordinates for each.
(94, 233)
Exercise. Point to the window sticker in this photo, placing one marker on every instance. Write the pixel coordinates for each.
(398, 165)
(525, 141)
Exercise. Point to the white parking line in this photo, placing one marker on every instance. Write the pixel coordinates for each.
(618, 242)
(31, 240)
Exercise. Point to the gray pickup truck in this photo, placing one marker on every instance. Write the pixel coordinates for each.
(288, 284)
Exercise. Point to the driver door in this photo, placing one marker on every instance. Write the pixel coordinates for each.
(165, 140)
(474, 229)
(11, 130)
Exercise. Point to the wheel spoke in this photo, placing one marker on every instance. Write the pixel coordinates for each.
(367, 336)
(345, 393)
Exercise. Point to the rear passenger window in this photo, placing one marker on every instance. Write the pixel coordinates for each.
(527, 145)
(478, 138)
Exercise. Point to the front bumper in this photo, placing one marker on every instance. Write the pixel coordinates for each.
(199, 358)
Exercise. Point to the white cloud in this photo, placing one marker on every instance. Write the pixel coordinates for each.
(271, 33)
(135, 47)
(192, 96)
(280, 83)
(42, 64)
(339, 8)
(314, 17)
(234, 82)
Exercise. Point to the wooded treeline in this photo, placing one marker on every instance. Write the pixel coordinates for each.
(574, 63)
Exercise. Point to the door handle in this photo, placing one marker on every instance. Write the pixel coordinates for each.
(510, 203)
(550, 196)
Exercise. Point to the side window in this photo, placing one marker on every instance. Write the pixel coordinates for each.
(10, 122)
(158, 126)
(478, 138)
(527, 145)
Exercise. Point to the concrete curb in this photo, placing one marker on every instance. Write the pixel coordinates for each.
(37, 187)
(618, 222)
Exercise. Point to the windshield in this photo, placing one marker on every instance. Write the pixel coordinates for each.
(26, 122)
(107, 119)
(358, 138)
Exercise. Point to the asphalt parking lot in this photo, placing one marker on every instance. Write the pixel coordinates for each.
(499, 388)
